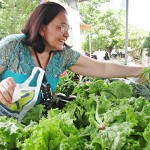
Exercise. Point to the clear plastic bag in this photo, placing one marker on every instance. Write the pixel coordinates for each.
(24, 97)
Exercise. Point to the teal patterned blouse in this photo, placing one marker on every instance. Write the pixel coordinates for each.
(16, 60)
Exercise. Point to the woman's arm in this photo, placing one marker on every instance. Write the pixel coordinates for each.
(90, 67)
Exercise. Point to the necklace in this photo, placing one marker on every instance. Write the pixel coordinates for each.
(37, 58)
(45, 87)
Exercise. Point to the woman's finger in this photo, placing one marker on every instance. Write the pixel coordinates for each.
(5, 93)
(7, 88)
(11, 82)
(9, 85)
(3, 101)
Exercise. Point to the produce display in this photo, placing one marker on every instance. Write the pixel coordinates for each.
(145, 76)
(102, 114)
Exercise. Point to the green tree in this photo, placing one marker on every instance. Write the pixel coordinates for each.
(13, 14)
(108, 28)
(136, 38)
(146, 44)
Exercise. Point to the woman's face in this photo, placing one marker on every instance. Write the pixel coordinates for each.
(56, 32)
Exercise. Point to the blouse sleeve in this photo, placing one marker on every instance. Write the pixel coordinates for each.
(7, 46)
(70, 57)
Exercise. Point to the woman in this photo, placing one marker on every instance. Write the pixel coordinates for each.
(43, 44)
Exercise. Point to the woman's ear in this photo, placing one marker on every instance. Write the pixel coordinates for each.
(42, 30)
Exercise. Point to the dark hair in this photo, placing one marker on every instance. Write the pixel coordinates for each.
(42, 15)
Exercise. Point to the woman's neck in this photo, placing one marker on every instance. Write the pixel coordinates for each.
(43, 58)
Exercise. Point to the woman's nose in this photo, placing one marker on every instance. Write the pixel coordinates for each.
(66, 34)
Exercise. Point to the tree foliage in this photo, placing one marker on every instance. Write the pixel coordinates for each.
(108, 28)
(146, 44)
(136, 38)
(13, 14)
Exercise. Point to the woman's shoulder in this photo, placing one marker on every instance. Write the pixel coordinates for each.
(68, 57)
(11, 42)
(13, 38)
(68, 50)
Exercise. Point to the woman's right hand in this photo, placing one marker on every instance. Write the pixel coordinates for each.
(7, 87)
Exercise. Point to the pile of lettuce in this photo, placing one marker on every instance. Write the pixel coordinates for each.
(105, 115)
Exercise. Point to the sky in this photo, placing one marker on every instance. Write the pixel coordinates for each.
(139, 13)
